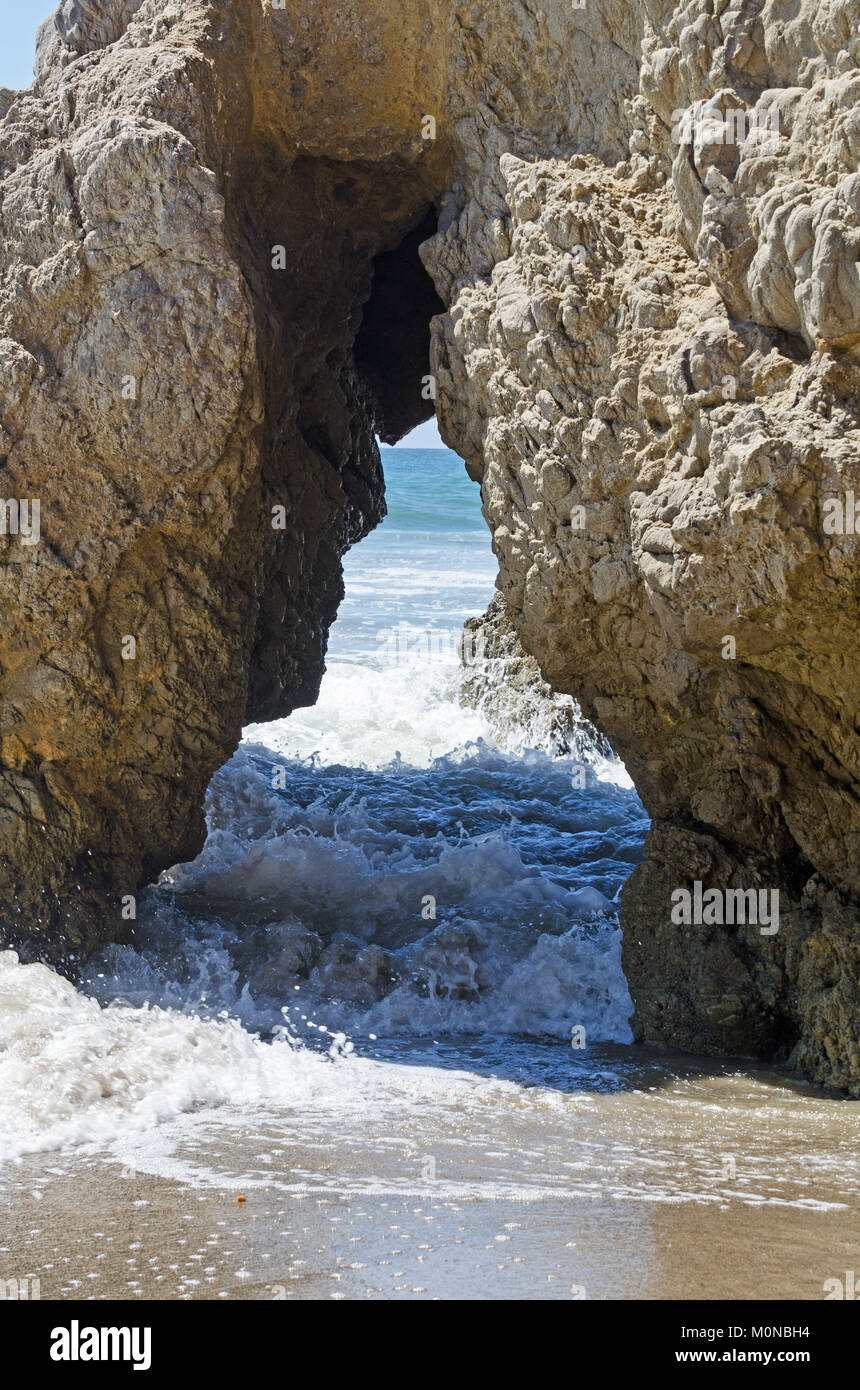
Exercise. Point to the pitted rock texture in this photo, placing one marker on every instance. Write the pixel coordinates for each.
(653, 369)
(648, 356)
(188, 232)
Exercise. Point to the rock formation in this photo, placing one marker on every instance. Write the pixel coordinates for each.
(189, 229)
(652, 366)
(645, 345)
(504, 683)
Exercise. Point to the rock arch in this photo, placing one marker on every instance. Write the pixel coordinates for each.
(648, 355)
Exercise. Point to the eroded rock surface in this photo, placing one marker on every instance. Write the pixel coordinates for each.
(188, 230)
(647, 253)
(652, 367)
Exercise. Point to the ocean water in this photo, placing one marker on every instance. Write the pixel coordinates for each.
(380, 871)
(394, 974)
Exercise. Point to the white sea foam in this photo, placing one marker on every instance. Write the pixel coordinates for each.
(304, 909)
(414, 931)
(371, 714)
(308, 913)
(72, 1071)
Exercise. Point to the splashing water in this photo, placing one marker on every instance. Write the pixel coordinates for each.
(379, 867)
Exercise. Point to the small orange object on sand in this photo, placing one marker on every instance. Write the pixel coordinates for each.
(240, 1199)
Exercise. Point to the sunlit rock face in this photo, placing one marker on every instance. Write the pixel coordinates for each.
(651, 362)
(645, 326)
(193, 199)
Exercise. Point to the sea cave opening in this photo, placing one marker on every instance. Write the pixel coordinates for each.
(435, 847)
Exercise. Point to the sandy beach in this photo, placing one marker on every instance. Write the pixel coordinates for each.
(571, 1205)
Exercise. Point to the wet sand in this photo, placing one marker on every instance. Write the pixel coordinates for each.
(597, 1194)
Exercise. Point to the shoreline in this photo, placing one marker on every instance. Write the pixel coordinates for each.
(682, 1180)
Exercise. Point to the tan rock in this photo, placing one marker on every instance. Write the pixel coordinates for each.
(645, 347)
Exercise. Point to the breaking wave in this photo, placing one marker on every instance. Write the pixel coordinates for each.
(385, 866)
